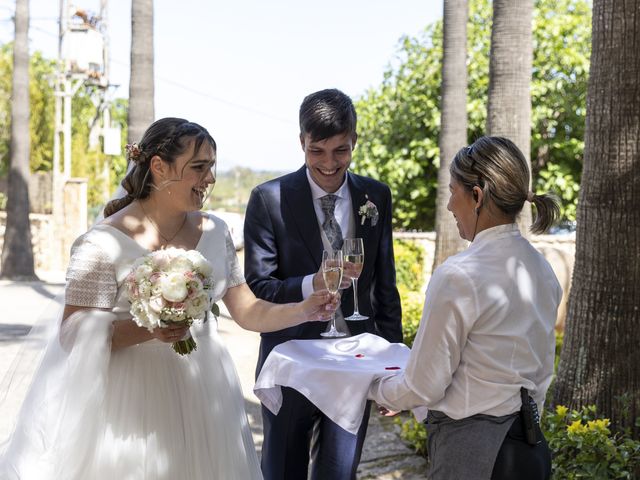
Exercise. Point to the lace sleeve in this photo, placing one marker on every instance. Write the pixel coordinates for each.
(234, 272)
(91, 277)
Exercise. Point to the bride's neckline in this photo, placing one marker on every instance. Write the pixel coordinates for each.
(205, 219)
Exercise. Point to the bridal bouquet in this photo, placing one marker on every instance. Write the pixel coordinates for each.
(170, 286)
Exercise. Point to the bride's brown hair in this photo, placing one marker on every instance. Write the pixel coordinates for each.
(166, 138)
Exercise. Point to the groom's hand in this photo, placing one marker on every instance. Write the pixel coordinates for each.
(348, 272)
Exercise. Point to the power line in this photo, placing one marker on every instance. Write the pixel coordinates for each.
(192, 90)
(227, 102)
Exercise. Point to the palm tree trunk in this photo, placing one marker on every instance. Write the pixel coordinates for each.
(453, 123)
(141, 83)
(510, 70)
(600, 355)
(17, 251)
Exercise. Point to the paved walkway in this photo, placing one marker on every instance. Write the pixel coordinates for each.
(385, 457)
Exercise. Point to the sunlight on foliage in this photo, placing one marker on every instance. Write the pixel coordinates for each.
(399, 121)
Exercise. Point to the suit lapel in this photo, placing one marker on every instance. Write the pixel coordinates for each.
(358, 198)
(297, 196)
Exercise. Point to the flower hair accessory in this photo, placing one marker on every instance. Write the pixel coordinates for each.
(370, 211)
(133, 152)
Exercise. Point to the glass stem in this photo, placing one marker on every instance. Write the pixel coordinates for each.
(355, 295)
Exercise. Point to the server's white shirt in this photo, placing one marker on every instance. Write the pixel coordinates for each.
(487, 329)
(344, 216)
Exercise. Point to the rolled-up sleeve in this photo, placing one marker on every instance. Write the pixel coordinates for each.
(448, 314)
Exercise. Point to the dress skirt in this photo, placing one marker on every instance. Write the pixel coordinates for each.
(139, 413)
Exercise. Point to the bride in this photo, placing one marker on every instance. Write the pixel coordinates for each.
(112, 400)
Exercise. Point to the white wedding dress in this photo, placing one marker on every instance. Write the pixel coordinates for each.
(142, 412)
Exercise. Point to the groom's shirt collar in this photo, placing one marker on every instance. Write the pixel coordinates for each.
(317, 192)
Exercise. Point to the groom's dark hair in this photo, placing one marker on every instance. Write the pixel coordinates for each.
(327, 113)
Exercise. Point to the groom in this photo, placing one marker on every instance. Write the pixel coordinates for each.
(289, 221)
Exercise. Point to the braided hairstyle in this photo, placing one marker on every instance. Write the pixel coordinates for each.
(498, 167)
(168, 138)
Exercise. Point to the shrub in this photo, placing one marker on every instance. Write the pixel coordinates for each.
(409, 257)
(413, 432)
(583, 447)
(412, 303)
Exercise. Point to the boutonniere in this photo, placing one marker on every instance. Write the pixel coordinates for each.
(370, 211)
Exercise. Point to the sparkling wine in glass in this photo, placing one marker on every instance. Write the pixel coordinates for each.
(332, 266)
(353, 249)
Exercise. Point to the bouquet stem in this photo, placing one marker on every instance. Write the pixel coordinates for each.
(185, 347)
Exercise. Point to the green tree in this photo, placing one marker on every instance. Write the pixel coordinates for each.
(86, 162)
(399, 121)
(41, 106)
(89, 162)
(233, 188)
(118, 167)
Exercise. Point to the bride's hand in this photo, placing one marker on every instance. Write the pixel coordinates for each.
(320, 305)
(171, 333)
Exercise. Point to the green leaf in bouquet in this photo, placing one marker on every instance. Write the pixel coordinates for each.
(215, 309)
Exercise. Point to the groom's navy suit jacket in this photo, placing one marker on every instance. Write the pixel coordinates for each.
(283, 244)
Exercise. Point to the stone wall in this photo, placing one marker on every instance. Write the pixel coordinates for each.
(559, 250)
(40, 193)
(42, 237)
(52, 239)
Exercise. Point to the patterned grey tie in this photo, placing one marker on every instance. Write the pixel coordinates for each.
(330, 224)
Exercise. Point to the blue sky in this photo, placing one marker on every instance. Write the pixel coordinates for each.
(242, 67)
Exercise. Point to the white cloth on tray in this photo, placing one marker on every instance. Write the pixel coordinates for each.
(334, 374)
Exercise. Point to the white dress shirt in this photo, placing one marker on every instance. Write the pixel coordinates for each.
(344, 216)
(487, 329)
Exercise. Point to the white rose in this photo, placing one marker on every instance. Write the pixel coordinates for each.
(139, 261)
(197, 306)
(154, 319)
(143, 272)
(180, 264)
(156, 304)
(200, 263)
(161, 258)
(173, 287)
(141, 315)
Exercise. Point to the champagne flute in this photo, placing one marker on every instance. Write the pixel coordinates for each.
(353, 249)
(332, 273)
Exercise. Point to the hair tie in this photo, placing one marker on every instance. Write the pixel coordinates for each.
(133, 152)
(530, 196)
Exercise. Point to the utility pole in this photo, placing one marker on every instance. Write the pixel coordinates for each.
(57, 211)
(82, 60)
